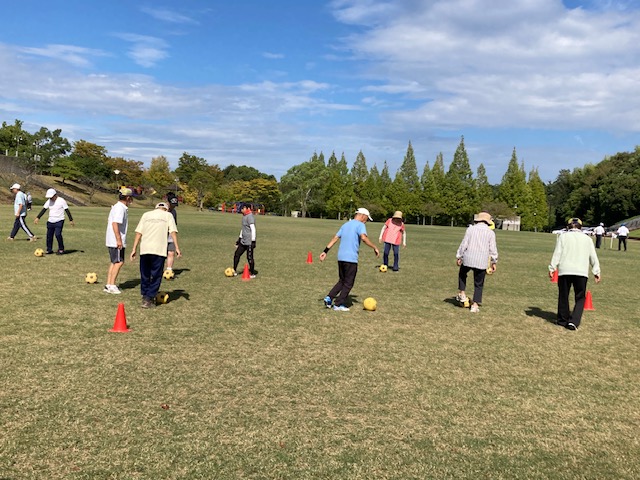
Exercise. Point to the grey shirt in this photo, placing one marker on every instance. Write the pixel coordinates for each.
(247, 234)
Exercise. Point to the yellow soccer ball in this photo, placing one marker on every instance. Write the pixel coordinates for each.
(383, 269)
(370, 304)
(91, 277)
(162, 298)
(39, 252)
(228, 272)
(168, 274)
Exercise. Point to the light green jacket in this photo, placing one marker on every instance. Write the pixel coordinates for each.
(574, 254)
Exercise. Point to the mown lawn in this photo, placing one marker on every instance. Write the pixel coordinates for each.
(256, 379)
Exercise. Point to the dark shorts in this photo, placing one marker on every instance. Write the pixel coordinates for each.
(171, 247)
(116, 254)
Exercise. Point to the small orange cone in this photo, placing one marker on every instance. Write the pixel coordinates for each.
(588, 302)
(309, 258)
(245, 273)
(554, 279)
(120, 324)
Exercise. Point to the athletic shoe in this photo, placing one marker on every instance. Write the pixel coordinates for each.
(253, 275)
(9, 238)
(147, 303)
(50, 252)
(33, 239)
(474, 308)
(340, 308)
(235, 274)
(112, 289)
(59, 252)
(461, 298)
(105, 289)
(571, 326)
(327, 301)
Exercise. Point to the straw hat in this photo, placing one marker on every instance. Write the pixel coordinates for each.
(482, 217)
(397, 214)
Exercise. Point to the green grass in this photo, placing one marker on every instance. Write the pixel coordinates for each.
(259, 380)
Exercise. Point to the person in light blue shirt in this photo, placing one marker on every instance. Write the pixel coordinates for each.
(20, 211)
(350, 235)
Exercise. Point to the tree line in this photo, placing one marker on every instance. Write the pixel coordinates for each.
(607, 192)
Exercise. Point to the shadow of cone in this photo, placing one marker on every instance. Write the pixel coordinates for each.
(245, 273)
(309, 258)
(120, 324)
(554, 279)
(588, 301)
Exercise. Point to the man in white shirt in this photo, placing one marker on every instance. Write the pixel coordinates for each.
(57, 207)
(116, 238)
(623, 233)
(599, 233)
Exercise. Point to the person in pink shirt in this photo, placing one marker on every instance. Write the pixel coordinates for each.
(392, 234)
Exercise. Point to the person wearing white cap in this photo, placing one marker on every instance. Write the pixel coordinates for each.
(599, 233)
(350, 235)
(57, 207)
(151, 235)
(116, 238)
(20, 211)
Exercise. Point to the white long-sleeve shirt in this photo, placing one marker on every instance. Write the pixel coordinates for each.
(478, 248)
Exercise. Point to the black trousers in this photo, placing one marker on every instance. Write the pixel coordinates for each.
(347, 272)
(598, 241)
(21, 223)
(239, 251)
(55, 229)
(579, 284)
(478, 281)
(622, 240)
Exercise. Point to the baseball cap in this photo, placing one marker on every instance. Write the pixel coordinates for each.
(125, 192)
(173, 200)
(364, 211)
(162, 205)
(15, 185)
(51, 193)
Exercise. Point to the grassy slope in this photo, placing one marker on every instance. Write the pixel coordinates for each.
(258, 380)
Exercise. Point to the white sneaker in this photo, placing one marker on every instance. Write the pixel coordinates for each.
(114, 289)
(340, 308)
(474, 308)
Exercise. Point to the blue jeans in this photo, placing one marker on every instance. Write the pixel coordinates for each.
(396, 255)
(151, 268)
(55, 229)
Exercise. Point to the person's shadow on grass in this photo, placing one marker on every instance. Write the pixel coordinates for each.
(177, 294)
(550, 317)
(452, 301)
(178, 271)
(130, 284)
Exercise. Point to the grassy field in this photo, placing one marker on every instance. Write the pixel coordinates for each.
(256, 379)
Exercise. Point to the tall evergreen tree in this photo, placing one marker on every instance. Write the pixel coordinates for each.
(484, 190)
(339, 190)
(359, 174)
(460, 193)
(409, 171)
(513, 189)
(539, 207)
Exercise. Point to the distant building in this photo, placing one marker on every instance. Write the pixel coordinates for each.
(511, 223)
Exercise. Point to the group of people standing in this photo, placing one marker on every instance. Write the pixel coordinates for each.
(157, 236)
(622, 234)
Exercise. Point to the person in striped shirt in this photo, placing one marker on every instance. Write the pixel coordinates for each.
(477, 250)
(392, 234)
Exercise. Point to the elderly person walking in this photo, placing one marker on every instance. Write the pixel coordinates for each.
(573, 255)
(477, 250)
(57, 207)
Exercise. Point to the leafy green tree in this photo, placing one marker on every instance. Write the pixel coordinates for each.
(409, 171)
(189, 166)
(66, 168)
(303, 186)
(243, 172)
(460, 192)
(431, 199)
(131, 172)
(159, 176)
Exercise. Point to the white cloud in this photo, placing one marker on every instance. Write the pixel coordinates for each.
(146, 51)
(273, 56)
(71, 54)
(169, 16)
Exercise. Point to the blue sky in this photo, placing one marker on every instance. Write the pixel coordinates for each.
(251, 82)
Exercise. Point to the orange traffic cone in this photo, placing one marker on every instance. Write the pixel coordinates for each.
(588, 302)
(309, 258)
(120, 325)
(554, 278)
(245, 274)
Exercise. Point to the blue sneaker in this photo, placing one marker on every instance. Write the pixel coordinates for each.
(340, 308)
(327, 301)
